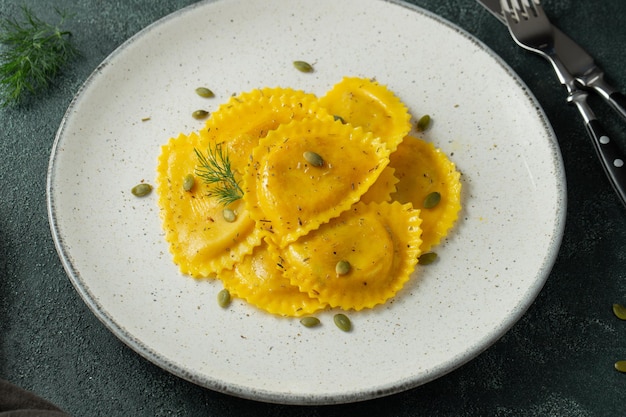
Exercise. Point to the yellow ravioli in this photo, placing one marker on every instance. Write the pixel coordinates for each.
(258, 280)
(382, 189)
(423, 169)
(366, 103)
(288, 196)
(324, 180)
(381, 243)
(202, 243)
(247, 117)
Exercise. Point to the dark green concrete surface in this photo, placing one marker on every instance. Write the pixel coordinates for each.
(556, 361)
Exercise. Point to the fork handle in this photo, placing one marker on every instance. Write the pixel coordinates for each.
(613, 161)
(595, 79)
(618, 101)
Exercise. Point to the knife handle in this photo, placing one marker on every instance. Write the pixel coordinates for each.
(611, 157)
(613, 161)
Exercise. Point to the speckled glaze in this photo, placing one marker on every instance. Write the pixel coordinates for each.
(490, 268)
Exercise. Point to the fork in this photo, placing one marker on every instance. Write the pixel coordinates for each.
(531, 29)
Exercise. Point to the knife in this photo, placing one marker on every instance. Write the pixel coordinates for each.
(576, 60)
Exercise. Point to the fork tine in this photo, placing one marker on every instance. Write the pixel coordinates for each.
(524, 9)
(509, 9)
(506, 6)
(533, 8)
(520, 9)
(539, 9)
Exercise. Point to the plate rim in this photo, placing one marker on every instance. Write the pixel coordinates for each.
(257, 394)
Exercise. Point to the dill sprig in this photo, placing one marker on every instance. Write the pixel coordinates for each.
(214, 168)
(33, 53)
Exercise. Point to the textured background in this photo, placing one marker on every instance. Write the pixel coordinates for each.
(556, 361)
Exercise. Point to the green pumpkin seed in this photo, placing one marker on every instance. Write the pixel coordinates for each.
(340, 119)
(310, 321)
(141, 190)
(343, 322)
(200, 114)
(204, 92)
(432, 200)
(427, 258)
(229, 215)
(303, 66)
(342, 267)
(188, 182)
(620, 366)
(223, 298)
(313, 158)
(619, 311)
(423, 123)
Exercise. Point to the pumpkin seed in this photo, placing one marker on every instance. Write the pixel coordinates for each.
(340, 119)
(619, 311)
(229, 215)
(423, 123)
(343, 322)
(200, 114)
(432, 200)
(141, 190)
(620, 366)
(342, 267)
(313, 158)
(303, 66)
(427, 258)
(223, 298)
(310, 321)
(188, 182)
(204, 92)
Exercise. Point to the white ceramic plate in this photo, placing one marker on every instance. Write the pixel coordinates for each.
(490, 269)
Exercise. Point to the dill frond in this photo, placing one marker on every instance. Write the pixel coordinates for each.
(33, 53)
(214, 168)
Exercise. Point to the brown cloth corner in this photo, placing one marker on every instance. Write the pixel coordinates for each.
(18, 402)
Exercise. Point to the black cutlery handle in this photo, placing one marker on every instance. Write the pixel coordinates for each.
(595, 79)
(613, 160)
(618, 101)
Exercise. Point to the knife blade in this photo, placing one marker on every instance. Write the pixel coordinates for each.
(576, 60)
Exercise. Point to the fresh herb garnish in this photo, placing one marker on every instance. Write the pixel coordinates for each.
(214, 168)
(34, 53)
